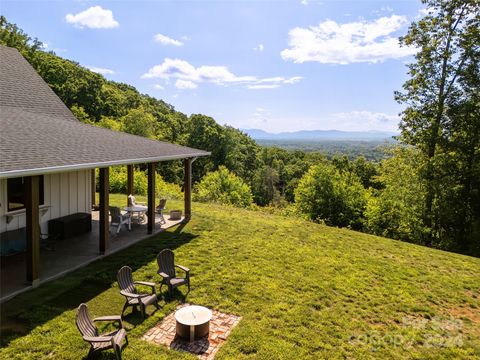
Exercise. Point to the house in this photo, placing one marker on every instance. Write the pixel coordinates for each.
(47, 158)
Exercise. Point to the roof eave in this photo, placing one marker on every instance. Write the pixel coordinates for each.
(86, 166)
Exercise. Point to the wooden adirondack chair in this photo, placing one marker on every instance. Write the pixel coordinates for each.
(166, 269)
(99, 342)
(132, 297)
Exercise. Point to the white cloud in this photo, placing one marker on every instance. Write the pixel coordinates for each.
(354, 42)
(259, 48)
(306, 2)
(219, 75)
(259, 86)
(165, 40)
(100, 70)
(363, 120)
(158, 87)
(185, 84)
(94, 17)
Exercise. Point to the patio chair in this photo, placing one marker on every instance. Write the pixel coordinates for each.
(119, 219)
(166, 269)
(99, 342)
(132, 202)
(159, 210)
(132, 297)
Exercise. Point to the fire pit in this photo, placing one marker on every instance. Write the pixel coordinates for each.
(193, 322)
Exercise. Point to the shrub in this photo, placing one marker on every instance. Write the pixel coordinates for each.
(224, 187)
(324, 194)
(118, 183)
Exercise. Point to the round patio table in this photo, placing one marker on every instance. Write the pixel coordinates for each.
(139, 209)
(193, 322)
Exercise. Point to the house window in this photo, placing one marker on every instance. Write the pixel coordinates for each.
(16, 193)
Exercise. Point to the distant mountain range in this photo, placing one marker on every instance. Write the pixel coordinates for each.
(314, 135)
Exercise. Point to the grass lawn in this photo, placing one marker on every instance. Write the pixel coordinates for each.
(305, 291)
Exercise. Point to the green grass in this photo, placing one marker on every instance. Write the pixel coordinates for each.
(305, 291)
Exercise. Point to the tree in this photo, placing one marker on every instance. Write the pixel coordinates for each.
(81, 114)
(265, 183)
(241, 153)
(395, 211)
(441, 90)
(224, 187)
(109, 123)
(139, 122)
(327, 195)
(11, 35)
(206, 134)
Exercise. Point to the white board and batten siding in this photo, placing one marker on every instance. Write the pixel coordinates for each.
(64, 194)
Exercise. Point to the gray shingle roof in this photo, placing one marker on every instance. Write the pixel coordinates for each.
(39, 134)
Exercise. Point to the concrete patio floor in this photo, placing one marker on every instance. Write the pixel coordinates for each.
(71, 254)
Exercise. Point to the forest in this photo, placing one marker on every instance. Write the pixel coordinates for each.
(370, 149)
(424, 189)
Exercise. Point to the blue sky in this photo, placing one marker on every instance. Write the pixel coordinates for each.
(272, 65)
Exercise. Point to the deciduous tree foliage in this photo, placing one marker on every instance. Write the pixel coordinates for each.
(139, 122)
(224, 187)
(325, 194)
(442, 119)
(395, 211)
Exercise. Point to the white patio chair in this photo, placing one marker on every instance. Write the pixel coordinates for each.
(159, 210)
(119, 219)
(132, 202)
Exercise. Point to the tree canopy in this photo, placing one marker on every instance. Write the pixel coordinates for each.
(442, 119)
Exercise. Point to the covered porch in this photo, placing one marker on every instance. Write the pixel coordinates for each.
(73, 253)
(36, 265)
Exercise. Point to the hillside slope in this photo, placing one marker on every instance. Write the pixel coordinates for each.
(304, 291)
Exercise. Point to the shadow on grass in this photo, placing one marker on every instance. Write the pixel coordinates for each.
(36, 307)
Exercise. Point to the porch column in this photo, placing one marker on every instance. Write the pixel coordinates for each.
(94, 187)
(104, 214)
(32, 201)
(129, 180)
(151, 198)
(187, 187)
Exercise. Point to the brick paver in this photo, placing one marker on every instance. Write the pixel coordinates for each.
(221, 325)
